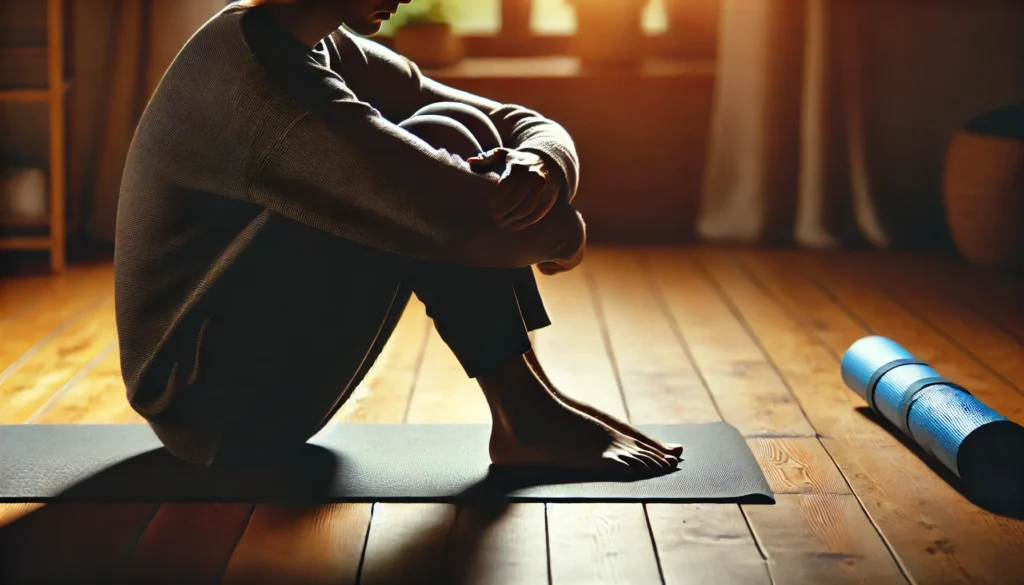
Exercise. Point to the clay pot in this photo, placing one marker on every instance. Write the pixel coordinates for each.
(609, 32)
(430, 45)
(983, 188)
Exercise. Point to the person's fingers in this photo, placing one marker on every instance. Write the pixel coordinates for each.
(507, 202)
(525, 209)
(520, 189)
(526, 216)
(486, 158)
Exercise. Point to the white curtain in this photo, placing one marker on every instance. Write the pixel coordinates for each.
(787, 155)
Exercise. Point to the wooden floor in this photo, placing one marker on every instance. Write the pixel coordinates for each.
(651, 335)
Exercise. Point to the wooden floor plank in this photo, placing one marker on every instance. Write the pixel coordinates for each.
(761, 331)
(443, 393)
(10, 513)
(485, 546)
(21, 294)
(706, 543)
(572, 350)
(748, 392)
(723, 345)
(937, 535)
(601, 544)
(383, 396)
(511, 549)
(798, 466)
(661, 385)
(25, 296)
(98, 396)
(71, 543)
(583, 326)
(659, 382)
(29, 387)
(408, 543)
(284, 545)
(992, 292)
(910, 286)
(831, 541)
(187, 543)
(814, 307)
(886, 317)
(23, 333)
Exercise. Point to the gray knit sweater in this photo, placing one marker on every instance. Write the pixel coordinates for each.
(223, 146)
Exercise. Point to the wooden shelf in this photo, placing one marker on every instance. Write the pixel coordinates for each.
(40, 243)
(59, 27)
(31, 94)
(24, 222)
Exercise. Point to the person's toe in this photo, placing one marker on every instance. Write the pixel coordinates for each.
(674, 449)
(666, 461)
(613, 463)
(653, 461)
(636, 463)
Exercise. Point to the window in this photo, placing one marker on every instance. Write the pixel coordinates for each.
(469, 17)
(548, 17)
(556, 17)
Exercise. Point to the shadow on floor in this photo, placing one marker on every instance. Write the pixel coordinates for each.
(88, 536)
(997, 485)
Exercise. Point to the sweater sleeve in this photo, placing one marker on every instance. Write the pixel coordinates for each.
(342, 167)
(399, 85)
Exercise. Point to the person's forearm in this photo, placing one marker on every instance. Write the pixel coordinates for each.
(359, 177)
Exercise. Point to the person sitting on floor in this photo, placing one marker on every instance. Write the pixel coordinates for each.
(290, 185)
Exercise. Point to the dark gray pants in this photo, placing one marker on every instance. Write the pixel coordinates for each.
(307, 314)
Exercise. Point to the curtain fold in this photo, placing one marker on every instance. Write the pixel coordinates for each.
(145, 36)
(786, 162)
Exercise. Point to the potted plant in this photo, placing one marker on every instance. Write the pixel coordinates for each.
(693, 27)
(424, 34)
(609, 32)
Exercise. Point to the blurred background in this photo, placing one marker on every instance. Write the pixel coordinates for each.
(811, 123)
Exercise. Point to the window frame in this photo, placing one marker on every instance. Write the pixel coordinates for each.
(515, 38)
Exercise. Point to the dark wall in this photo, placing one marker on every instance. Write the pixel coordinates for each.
(641, 139)
(931, 65)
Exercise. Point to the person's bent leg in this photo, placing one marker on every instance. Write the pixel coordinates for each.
(287, 334)
(473, 120)
(484, 315)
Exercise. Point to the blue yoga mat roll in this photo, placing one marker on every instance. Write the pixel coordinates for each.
(982, 447)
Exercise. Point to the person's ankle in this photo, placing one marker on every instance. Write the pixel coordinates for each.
(513, 390)
(506, 377)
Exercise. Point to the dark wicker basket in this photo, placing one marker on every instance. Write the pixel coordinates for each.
(984, 187)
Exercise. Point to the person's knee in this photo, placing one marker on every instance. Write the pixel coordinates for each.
(443, 132)
(478, 124)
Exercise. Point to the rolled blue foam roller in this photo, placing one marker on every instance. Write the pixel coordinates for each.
(982, 447)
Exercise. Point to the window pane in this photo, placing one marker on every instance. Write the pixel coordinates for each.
(557, 17)
(468, 17)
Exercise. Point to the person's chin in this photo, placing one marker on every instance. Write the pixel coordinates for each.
(365, 28)
(368, 27)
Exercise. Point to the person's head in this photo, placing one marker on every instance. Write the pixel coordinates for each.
(362, 16)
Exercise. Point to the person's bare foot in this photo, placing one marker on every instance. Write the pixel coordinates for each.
(622, 427)
(532, 428)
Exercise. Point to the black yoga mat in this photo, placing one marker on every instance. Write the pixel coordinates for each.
(356, 463)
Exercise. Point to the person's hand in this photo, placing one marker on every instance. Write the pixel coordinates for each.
(531, 190)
